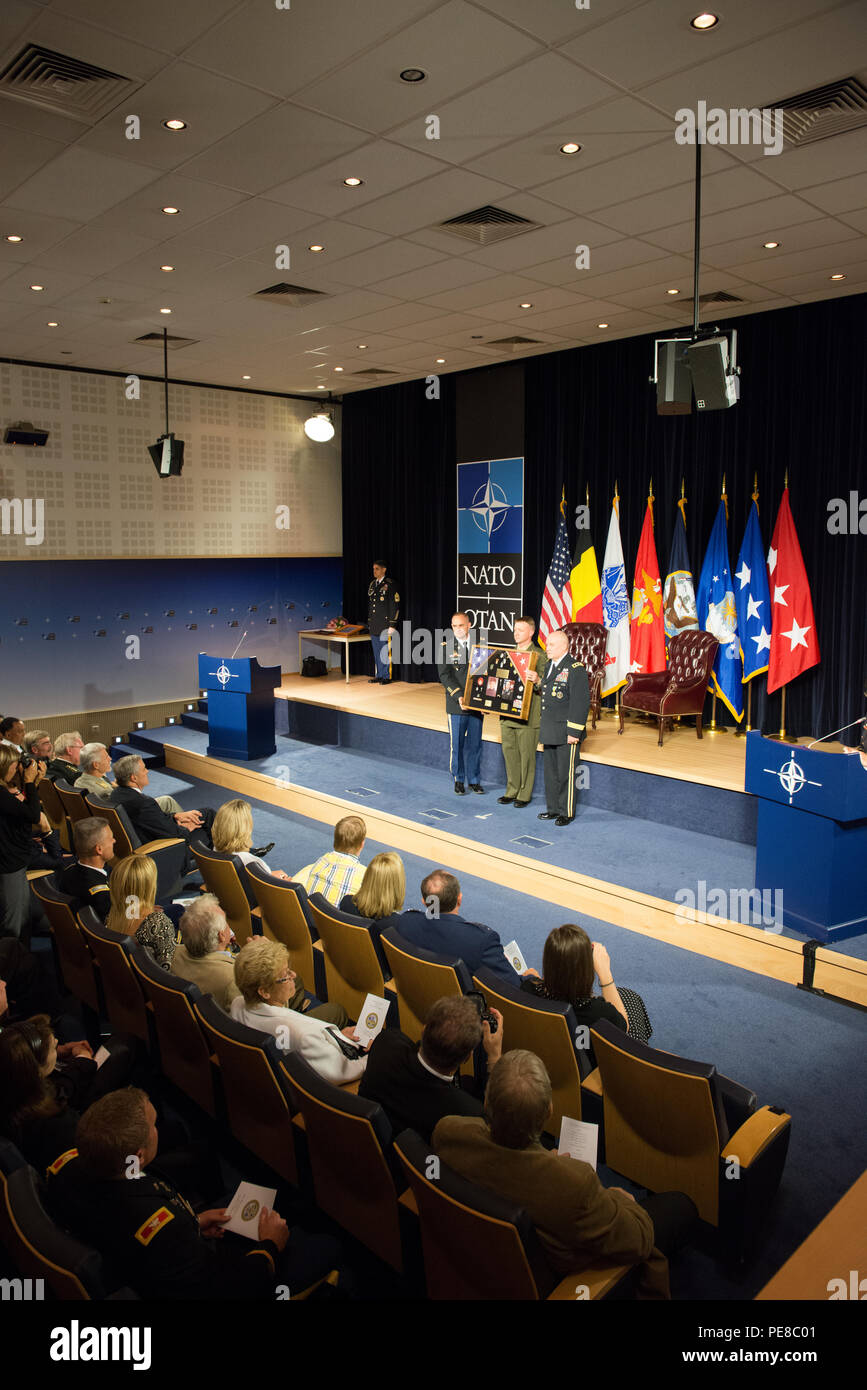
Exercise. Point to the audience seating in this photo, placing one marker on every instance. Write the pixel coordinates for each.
(286, 918)
(546, 1027)
(71, 949)
(54, 810)
(185, 1057)
(222, 878)
(169, 855)
(681, 688)
(40, 1249)
(588, 643)
(352, 969)
(348, 1139)
(419, 978)
(477, 1245)
(74, 805)
(676, 1125)
(125, 1005)
(257, 1108)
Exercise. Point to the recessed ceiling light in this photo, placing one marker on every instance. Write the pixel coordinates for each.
(770, 245)
(837, 277)
(13, 237)
(672, 291)
(170, 211)
(704, 21)
(338, 369)
(37, 287)
(602, 325)
(245, 378)
(165, 311)
(361, 346)
(166, 267)
(440, 361)
(52, 323)
(316, 247)
(353, 182)
(526, 304)
(320, 388)
(413, 75)
(175, 124)
(570, 147)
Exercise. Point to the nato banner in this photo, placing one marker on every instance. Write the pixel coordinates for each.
(491, 545)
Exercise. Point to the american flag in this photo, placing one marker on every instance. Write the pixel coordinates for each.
(557, 598)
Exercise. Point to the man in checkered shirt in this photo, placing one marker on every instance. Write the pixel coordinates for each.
(340, 871)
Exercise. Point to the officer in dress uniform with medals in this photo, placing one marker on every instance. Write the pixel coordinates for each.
(465, 725)
(383, 607)
(565, 706)
(519, 739)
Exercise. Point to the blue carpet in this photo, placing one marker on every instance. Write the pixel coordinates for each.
(795, 1050)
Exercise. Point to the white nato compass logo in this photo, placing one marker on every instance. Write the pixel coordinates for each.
(489, 507)
(791, 777)
(223, 674)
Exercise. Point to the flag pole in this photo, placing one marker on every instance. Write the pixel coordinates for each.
(749, 725)
(616, 504)
(781, 736)
(713, 727)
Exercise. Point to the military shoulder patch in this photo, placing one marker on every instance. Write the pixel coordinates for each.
(62, 1160)
(576, 665)
(146, 1232)
(99, 888)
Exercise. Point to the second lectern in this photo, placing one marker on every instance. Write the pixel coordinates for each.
(240, 706)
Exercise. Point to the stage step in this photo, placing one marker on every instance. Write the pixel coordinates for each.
(195, 721)
(152, 754)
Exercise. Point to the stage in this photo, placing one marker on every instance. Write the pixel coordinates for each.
(353, 748)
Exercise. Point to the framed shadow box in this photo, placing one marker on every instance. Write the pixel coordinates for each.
(497, 681)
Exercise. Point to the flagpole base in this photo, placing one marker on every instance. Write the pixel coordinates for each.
(780, 737)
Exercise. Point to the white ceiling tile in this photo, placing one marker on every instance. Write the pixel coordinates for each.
(379, 261)
(435, 200)
(839, 196)
(798, 57)
(83, 182)
(23, 115)
(433, 279)
(458, 46)
(95, 249)
(397, 316)
(382, 165)
(23, 154)
(552, 21)
(143, 213)
(487, 292)
(551, 88)
(283, 50)
(39, 233)
(212, 107)
(16, 286)
(286, 140)
(822, 232)
(176, 25)
(136, 60)
(529, 249)
(857, 219)
(244, 229)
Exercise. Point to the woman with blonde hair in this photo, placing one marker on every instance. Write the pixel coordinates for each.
(380, 898)
(232, 833)
(134, 912)
(267, 984)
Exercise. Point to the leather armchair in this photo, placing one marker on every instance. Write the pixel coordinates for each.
(681, 689)
(587, 644)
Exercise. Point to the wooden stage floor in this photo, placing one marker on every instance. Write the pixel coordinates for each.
(716, 760)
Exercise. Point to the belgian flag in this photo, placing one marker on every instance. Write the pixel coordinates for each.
(586, 593)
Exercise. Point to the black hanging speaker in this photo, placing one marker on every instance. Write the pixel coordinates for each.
(168, 456)
(715, 387)
(673, 379)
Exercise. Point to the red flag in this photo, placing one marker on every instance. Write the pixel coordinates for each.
(794, 643)
(648, 625)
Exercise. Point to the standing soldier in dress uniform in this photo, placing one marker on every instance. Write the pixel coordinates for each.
(383, 608)
(465, 725)
(519, 739)
(565, 705)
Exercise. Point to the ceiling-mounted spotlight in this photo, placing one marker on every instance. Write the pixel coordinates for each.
(413, 75)
(353, 182)
(704, 21)
(571, 147)
(320, 427)
(175, 124)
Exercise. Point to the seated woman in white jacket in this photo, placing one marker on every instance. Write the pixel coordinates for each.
(263, 976)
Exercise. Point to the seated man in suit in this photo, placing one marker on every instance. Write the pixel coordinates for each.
(12, 732)
(67, 754)
(86, 881)
(441, 929)
(94, 767)
(576, 1218)
(148, 820)
(418, 1083)
(39, 744)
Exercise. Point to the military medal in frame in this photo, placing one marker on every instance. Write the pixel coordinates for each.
(497, 681)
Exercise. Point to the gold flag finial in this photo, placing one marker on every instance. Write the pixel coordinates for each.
(563, 503)
(681, 506)
(650, 500)
(786, 479)
(587, 494)
(724, 498)
(756, 490)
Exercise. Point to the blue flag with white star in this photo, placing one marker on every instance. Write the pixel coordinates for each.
(753, 599)
(717, 613)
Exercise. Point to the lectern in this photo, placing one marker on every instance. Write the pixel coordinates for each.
(240, 706)
(811, 839)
